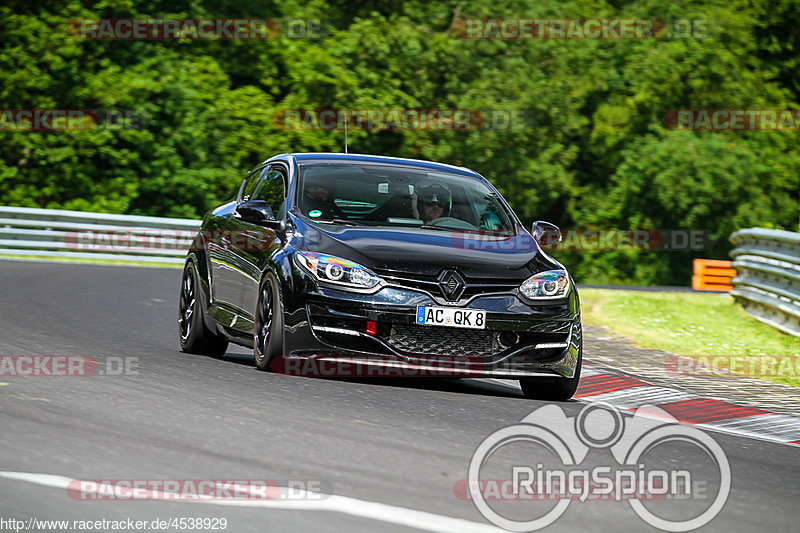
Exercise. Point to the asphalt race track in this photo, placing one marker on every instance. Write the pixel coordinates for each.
(388, 452)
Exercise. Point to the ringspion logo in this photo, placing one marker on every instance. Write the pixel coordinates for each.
(648, 469)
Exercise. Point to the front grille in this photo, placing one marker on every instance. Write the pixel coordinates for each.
(417, 284)
(435, 340)
(473, 287)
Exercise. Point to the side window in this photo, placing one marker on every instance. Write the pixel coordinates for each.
(249, 184)
(273, 190)
(490, 213)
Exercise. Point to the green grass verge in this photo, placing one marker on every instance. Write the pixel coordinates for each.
(697, 325)
(83, 261)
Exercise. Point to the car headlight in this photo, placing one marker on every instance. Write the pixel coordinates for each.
(549, 284)
(332, 269)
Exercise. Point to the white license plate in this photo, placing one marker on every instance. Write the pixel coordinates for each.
(452, 317)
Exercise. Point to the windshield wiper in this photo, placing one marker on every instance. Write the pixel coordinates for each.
(440, 228)
(479, 231)
(342, 221)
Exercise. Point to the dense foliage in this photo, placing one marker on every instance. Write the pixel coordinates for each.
(594, 152)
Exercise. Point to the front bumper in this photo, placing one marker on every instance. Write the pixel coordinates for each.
(520, 340)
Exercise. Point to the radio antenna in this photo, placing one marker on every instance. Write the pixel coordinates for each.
(345, 132)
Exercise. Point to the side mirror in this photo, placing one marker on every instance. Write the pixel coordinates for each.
(256, 212)
(545, 233)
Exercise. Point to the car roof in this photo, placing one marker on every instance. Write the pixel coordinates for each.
(366, 158)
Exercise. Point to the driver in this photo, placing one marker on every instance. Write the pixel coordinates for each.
(433, 201)
(318, 201)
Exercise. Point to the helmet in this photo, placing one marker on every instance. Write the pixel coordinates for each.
(435, 193)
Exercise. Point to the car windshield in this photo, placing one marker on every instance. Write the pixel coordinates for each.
(386, 195)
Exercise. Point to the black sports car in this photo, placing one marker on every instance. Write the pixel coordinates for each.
(385, 263)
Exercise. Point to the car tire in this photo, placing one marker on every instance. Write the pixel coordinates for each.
(268, 325)
(553, 389)
(193, 334)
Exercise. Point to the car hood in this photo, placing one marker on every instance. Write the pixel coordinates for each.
(427, 252)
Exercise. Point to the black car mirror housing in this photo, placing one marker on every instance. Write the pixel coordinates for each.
(257, 212)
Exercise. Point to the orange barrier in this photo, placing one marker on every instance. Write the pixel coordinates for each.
(712, 275)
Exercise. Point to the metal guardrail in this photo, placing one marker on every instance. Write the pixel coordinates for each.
(767, 283)
(82, 235)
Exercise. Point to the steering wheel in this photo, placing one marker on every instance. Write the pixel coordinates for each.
(451, 222)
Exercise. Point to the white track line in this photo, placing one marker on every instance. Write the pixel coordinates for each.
(782, 428)
(337, 504)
